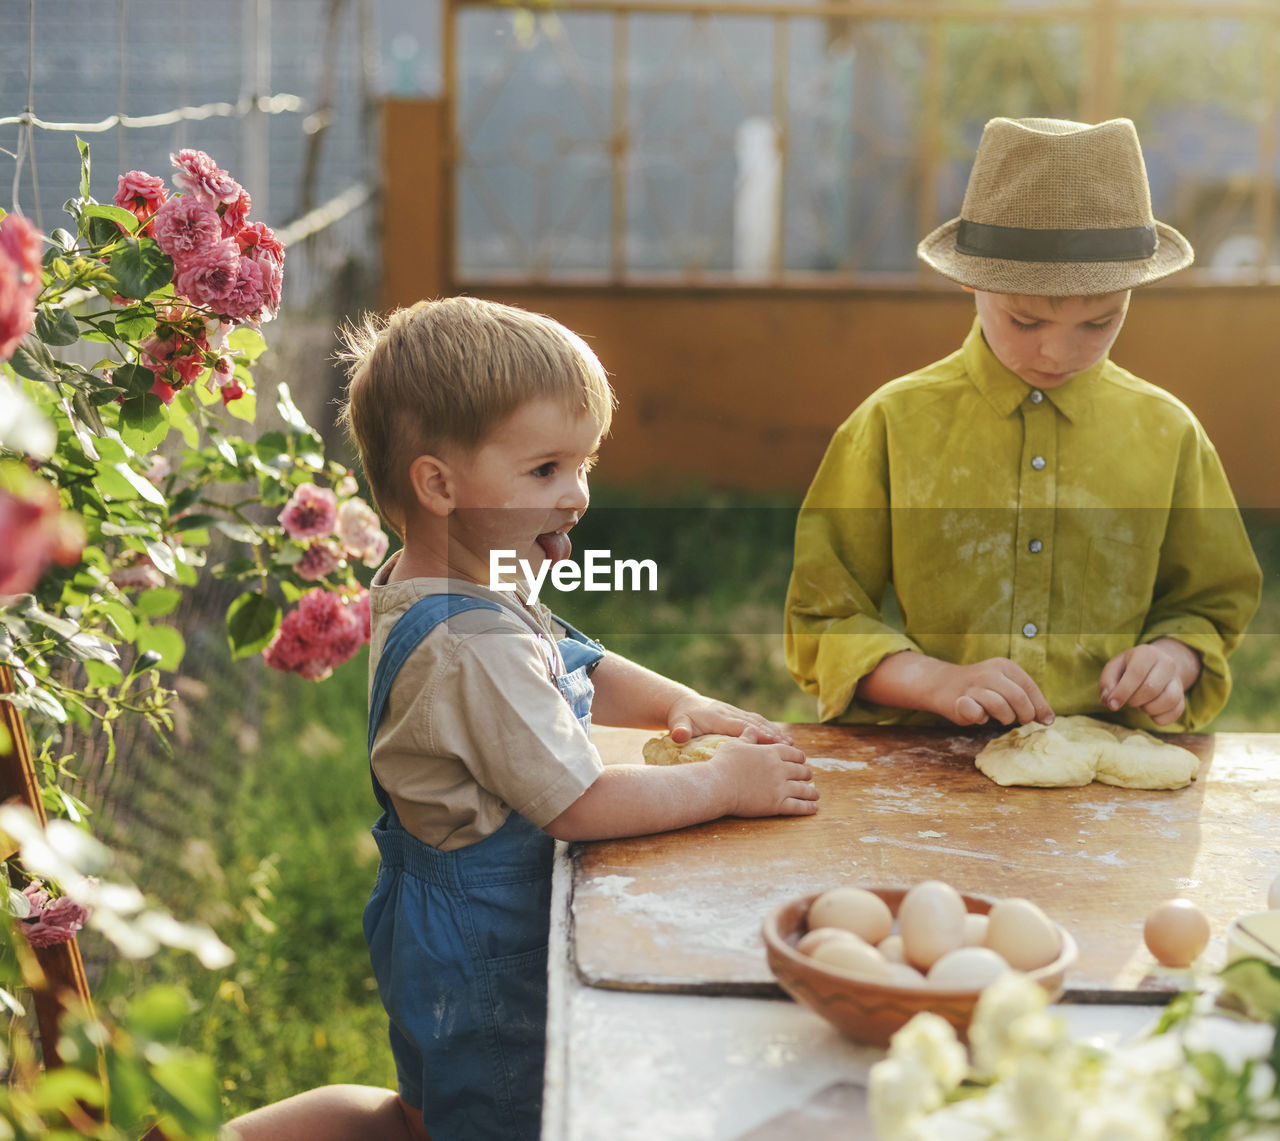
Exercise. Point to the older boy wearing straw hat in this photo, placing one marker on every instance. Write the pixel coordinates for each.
(1060, 534)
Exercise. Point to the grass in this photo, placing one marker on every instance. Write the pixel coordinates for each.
(269, 804)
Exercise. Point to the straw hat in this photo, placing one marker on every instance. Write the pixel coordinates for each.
(1056, 209)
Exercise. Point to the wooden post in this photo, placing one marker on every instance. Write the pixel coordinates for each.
(62, 969)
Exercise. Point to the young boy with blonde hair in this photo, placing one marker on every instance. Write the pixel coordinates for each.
(477, 424)
(1060, 534)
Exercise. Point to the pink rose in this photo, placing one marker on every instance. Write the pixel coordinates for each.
(198, 174)
(247, 294)
(185, 225)
(361, 533)
(142, 194)
(20, 276)
(37, 897)
(322, 631)
(260, 238)
(34, 531)
(310, 513)
(235, 214)
(208, 276)
(57, 923)
(319, 559)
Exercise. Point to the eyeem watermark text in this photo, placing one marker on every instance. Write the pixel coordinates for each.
(599, 571)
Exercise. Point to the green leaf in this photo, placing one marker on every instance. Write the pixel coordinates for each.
(165, 641)
(1255, 985)
(140, 267)
(57, 326)
(135, 379)
(240, 532)
(116, 214)
(102, 674)
(135, 323)
(162, 555)
(158, 602)
(252, 620)
(159, 1014)
(244, 408)
(38, 701)
(90, 647)
(121, 617)
(83, 147)
(289, 411)
(142, 486)
(32, 360)
(247, 342)
(143, 422)
(59, 1089)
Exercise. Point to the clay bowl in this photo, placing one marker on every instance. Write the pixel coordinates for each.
(870, 1012)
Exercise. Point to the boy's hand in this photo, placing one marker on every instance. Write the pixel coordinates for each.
(692, 715)
(1153, 677)
(765, 779)
(996, 687)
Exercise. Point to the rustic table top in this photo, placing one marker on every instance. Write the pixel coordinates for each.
(661, 1022)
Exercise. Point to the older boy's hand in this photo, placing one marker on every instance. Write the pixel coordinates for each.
(692, 715)
(1153, 677)
(996, 687)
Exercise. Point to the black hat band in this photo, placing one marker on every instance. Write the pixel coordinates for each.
(1017, 243)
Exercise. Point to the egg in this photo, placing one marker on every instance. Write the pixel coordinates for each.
(891, 948)
(931, 922)
(816, 936)
(855, 956)
(967, 968)
(1273, 895)
(1176, 932)
(900, 974)
(1022, 934)
(975, 929)
(862, 912)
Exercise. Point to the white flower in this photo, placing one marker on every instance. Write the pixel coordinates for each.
(24, 428)
(900, 1093)
(929, 1042)
(1119, 1120)
(1003, 1005)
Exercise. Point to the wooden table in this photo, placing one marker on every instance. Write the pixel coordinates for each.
(664, 1020)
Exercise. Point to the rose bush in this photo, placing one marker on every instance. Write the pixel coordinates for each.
(131, 466)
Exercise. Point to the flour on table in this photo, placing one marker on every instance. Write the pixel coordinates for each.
(1077, 750)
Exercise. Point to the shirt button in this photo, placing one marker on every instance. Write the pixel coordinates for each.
(1036, 396)
(1035, 546)
(1029, 630)
(1037, 462)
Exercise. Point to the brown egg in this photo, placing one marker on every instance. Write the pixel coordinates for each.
(862, 912)
(1176, 932)
(1023, 934)
(931, 922)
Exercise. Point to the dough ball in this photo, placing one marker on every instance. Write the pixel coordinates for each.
(1076, 750)
(664, 751)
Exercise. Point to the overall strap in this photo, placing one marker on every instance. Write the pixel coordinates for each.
(410, 628)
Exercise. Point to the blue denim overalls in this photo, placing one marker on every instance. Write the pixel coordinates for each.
(459, 939)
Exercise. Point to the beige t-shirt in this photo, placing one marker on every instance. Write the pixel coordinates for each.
(475, 725)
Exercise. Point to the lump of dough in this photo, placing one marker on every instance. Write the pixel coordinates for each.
(664, 751)
(1138, 760)
(1076, 750)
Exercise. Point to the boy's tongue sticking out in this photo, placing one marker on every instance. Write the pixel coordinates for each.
(556, 544)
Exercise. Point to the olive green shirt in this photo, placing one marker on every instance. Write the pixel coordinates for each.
(1054, 527)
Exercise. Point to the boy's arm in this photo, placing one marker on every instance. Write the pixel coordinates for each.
(742, 779)
(1206, 590)
(968, 695)
(834, 633)
(630, 696)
